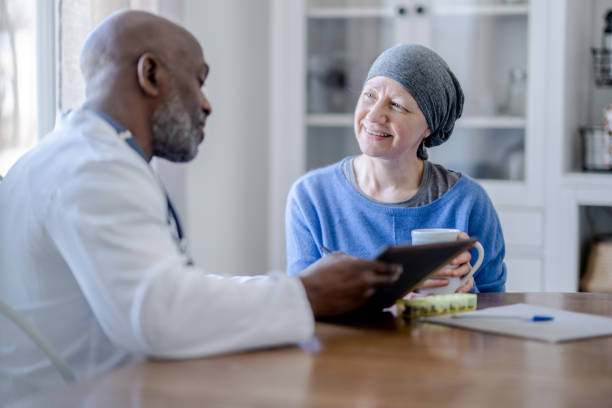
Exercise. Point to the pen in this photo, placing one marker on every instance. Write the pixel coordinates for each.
(534, 318)
(325, 250)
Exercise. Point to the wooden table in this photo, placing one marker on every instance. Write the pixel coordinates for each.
(378, 365)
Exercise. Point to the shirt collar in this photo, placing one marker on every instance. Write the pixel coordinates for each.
(118, 128)
(122, 132)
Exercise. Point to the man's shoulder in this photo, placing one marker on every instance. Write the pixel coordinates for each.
(84, 140)
(79, 152)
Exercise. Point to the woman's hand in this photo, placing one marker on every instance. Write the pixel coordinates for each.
(458, 266)
(467, 286)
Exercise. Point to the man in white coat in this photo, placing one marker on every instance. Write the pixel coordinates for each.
(91, 251)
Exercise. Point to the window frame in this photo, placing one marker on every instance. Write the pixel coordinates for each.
(46, 65)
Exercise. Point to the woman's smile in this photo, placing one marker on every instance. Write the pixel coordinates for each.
(375, 133)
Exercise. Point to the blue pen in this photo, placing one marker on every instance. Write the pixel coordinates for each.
(325, 250)
(534, 318)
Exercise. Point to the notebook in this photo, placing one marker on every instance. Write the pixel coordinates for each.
(564, 326)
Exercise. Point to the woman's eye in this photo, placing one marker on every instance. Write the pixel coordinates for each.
(368, 94)
(397, 106)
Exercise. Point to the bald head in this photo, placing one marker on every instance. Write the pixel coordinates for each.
(124, 36)
(147, 73)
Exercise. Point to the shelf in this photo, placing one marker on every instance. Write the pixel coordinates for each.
(584, 180)
(493, 184)
(349, 12)
(483, 10)
(588, 188)
(450, 9)
(492, 122)
(475, 122)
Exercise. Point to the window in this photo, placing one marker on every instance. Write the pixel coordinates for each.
(18, 81)
(76, 19)
(31, 89)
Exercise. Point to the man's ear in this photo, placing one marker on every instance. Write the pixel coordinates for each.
(150, 74)
(427, 133)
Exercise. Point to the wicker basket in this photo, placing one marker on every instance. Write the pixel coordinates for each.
(598, 273)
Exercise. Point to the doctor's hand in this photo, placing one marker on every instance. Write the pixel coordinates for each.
(339, 283)
(459, 266)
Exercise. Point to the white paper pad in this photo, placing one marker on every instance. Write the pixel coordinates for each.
(565, 326)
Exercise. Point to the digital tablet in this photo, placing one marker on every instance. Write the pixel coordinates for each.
(419, 262)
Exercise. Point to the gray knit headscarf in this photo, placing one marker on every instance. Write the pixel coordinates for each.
(431, 83)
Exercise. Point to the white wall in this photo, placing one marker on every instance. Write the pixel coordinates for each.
(226, 185)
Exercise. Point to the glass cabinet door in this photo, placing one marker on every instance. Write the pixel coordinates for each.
(343, 39)
(484, 43)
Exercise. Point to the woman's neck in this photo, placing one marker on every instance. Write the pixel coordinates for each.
(388, 181)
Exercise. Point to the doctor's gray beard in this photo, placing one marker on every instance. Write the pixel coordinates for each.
(175, 136)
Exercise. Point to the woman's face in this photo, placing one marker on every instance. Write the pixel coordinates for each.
(388, 122)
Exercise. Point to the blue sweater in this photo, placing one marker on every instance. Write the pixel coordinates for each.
(324, 209)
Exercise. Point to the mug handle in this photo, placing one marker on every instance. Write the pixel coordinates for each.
(480, 250)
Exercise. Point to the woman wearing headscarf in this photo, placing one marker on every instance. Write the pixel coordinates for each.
(409, 102)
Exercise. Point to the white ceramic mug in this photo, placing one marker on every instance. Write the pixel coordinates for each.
(432, 235)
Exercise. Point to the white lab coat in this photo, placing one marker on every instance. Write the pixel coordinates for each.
(87, 255)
